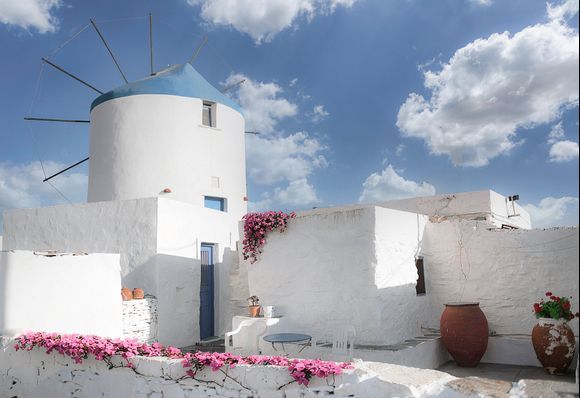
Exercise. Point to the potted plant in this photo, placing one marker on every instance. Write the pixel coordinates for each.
(254, 306)
(552, 338)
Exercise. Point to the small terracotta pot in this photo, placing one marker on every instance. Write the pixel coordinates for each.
(126, 294)
(138, 293)
(554, 344)
(255, 310)
(464, 333)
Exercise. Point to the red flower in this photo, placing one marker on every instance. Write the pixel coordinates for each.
(566, 305)
(548, 294)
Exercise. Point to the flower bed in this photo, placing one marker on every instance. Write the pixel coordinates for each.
(79, 348)
(257, 226)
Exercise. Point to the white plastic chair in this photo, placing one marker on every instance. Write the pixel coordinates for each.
(245, 339)
(343, 340)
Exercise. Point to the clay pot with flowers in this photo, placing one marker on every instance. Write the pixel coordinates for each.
(253, 306)
(552, 337)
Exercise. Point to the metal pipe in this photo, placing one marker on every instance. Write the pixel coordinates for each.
(197, 50)
(228, 88)
(108, 49)
(71, 75)
(44, 119)
(63, 170)
(151, 42)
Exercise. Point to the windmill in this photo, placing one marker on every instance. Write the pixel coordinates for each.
(141, 132)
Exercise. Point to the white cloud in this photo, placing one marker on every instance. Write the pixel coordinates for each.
(492, 87)
(272, 160)
(319, 113)
(298, 193)
(556, 133)
(389, 185)
(263, 19)
(564, 151)
(400, 149)
(563, 10)
(293, 82)
(21, 185)
(552, 212)
(263, 108)
(29, 14)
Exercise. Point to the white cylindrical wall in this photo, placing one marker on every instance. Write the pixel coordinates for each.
(143, 144)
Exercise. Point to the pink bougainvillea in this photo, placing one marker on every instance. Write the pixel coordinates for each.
(257, 226)
(79, 347)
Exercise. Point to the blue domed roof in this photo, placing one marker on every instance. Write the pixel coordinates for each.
(181, 80)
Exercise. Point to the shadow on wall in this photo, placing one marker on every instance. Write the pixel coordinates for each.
(178, 281)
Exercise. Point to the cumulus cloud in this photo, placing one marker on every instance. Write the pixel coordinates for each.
(298, 193)
(30, 14)
(275, 159)
(389, 185)
(262, 104)
(21, 185)
(264, 19)
(552, 212)
(491, 88)
(564, 151)
(562, 11)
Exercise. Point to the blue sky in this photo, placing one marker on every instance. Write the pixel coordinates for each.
(355, 100)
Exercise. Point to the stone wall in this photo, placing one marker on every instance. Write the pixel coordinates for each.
(140, 319)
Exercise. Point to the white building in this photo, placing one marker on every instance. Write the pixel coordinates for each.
(167, 189)
(167, 193)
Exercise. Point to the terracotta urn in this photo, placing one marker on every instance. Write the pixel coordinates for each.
(464, 333)
(126, 294)
(254, 310)
(138, 293)
(554, 344)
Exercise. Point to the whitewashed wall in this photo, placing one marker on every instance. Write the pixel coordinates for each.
(505, 270)
(182, 228)
(346, 267)
(125, 227)
(485, 204)
(66, 293)
(158, 240)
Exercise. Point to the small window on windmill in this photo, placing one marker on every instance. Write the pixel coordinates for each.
(208, 114)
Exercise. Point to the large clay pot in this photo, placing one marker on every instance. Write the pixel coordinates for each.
(554, 344)
(464, 333)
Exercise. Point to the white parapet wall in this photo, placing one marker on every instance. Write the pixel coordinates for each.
(60, 293)
(506, 271)
(34, 374)
(348, 267)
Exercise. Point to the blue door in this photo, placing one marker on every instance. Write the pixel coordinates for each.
(206, 310)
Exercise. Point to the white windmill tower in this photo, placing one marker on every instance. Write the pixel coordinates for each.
(171, 131)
